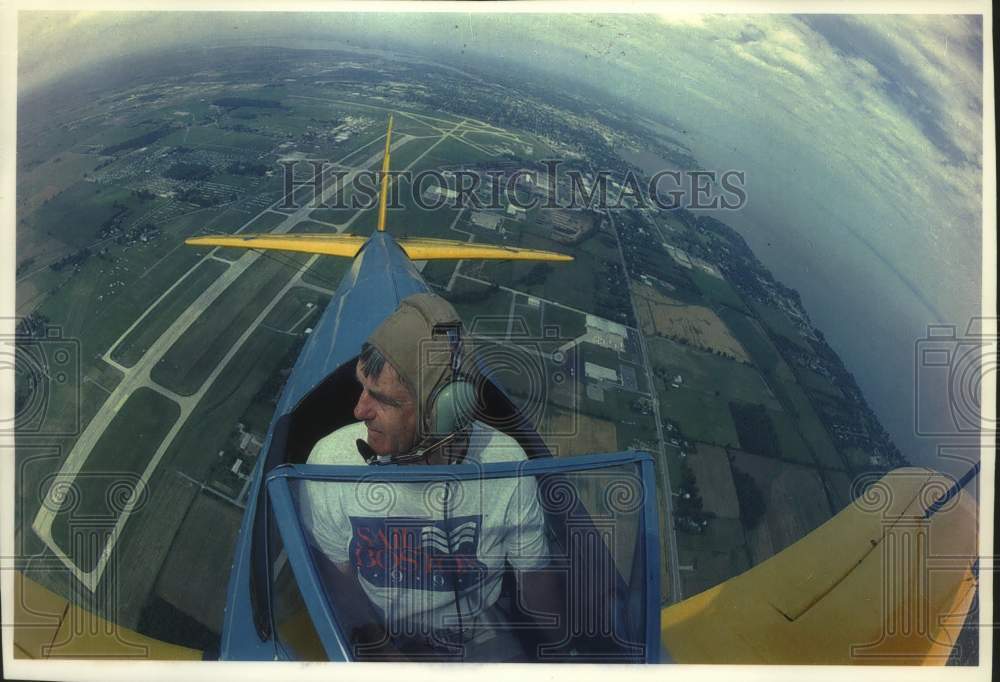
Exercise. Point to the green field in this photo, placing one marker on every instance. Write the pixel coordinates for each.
(710, 374)
(779, 323)
(438, 272)
(476, 303)
(717, 290)
(92, 308)
(134, 346)
(810, 426)
(327, 272)
(366, 146)
(568, 323)
(414, 221)
(413, 126)
(617, 408)
(702, 417)
(791, 443)
(230, 398)
(76, 214)
(198, 352)
(762, 351)
(50, 178)
(721, 535)
(407, 155)
(527, 319)
(576, 284)
(210, 137)
(817, 383)
(673, 459)
(449, 153)
(293, 313)
(118, 458)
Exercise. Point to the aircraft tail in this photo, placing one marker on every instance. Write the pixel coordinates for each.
(348, 245)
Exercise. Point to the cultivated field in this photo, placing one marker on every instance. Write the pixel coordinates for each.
(710, 374)
(796, 503)
(695, 325)
(715, 481)
(196, 572)
(578, 434)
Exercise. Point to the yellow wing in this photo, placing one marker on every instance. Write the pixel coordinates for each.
(446, 249)
(348, 246)
(47, 626)
(876, 584)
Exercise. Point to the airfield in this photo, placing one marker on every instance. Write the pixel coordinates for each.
(133, 477)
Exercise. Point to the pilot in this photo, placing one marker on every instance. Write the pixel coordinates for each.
(415, 567)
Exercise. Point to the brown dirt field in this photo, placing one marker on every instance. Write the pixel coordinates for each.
(796, 503)
(697, 325)
(592, 435)
(715, 481)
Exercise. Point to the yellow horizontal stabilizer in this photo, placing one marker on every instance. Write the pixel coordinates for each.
(346, 245)
(876, 584)
(445, 249)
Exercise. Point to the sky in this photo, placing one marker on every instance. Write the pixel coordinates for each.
(861, 137)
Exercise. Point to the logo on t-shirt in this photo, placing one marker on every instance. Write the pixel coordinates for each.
(417, 554)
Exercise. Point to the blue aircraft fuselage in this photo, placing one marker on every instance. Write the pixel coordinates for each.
(381, 276)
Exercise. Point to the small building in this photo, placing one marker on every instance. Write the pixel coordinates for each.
(435, 191)
(488, 221)
(601, 324)
(599, 372)
(606, 340)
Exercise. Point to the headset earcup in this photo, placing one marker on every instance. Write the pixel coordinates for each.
(454, 407)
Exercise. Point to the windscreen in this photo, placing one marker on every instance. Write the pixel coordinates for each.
(524, 567)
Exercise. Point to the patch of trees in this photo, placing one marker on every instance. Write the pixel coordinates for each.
(755, 429)
(136, 142)
(112, 224)
(73, 260)
(689, 514)
(188, 171)
(750, 499)
(33, 324)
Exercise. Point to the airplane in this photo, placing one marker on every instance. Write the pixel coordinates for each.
(888, 580)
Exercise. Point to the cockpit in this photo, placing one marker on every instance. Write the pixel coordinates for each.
(545, 559)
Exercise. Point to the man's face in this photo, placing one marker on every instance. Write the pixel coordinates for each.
(388, 410)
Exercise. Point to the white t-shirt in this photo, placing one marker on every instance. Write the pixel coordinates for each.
(408, 558)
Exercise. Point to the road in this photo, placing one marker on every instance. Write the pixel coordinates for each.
(673, 560)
